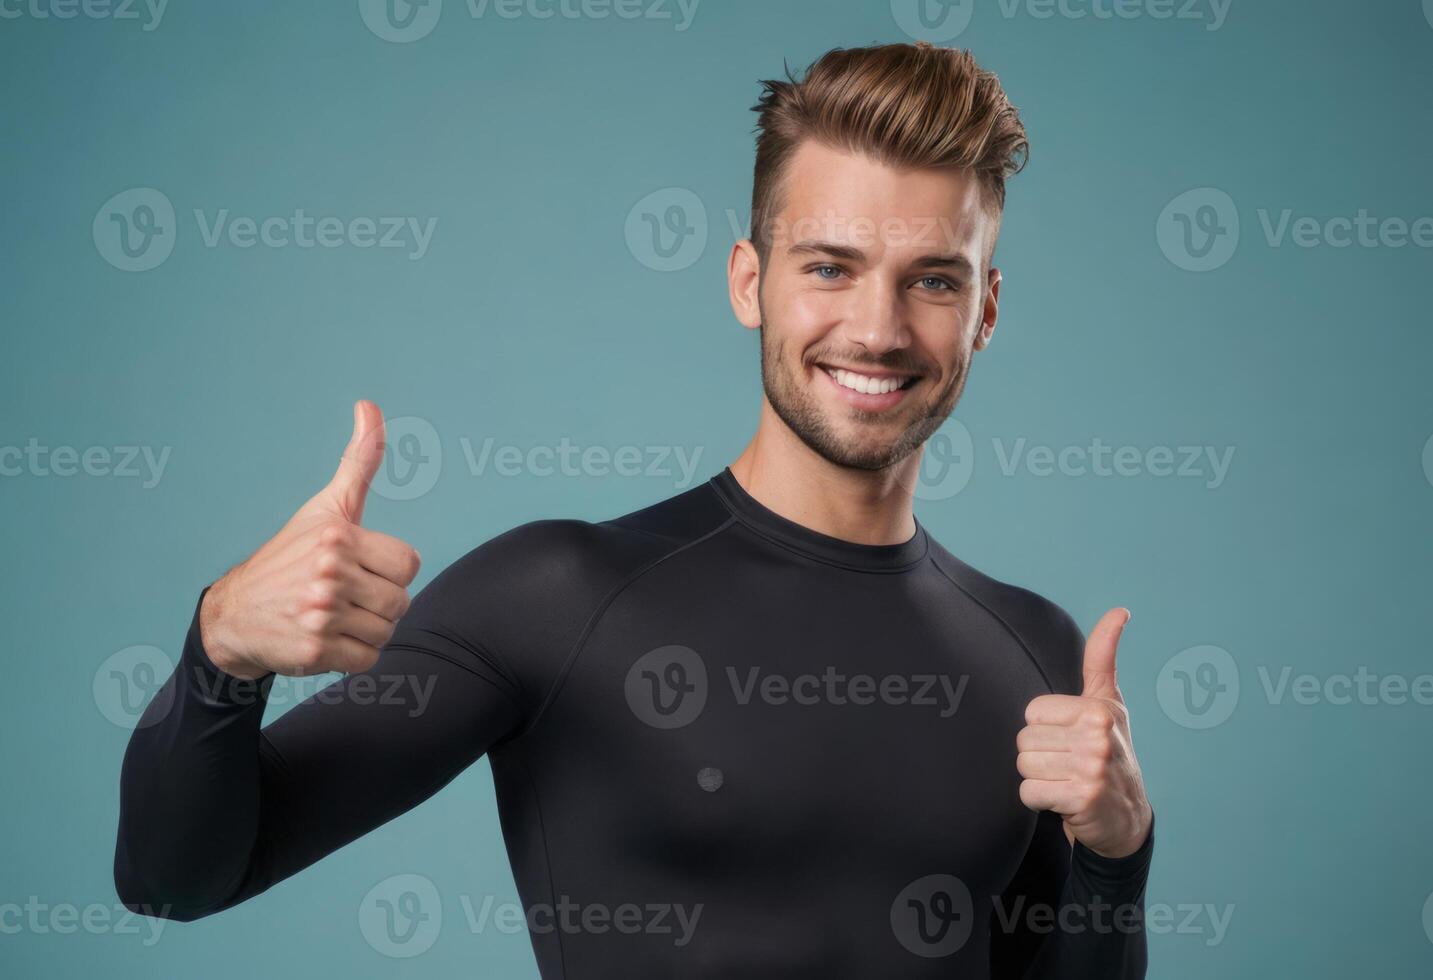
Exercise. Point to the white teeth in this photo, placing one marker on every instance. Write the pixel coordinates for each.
(864, 383)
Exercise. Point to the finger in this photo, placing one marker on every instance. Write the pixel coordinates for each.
(349, 656)
(1047, 794)
(376, 594)
(1058, 709)
(1100, 649)
(367, 627)
(1043, 738)
(348, 490)
(386, 556)
(1045, 765)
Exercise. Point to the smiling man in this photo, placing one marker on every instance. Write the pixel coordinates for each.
(767, 727)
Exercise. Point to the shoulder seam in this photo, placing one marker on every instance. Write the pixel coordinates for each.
(999, 619)
(596, 616)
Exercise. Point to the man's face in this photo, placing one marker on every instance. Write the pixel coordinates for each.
(875, 296)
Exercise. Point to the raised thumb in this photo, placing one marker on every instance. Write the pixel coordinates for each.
(1100, 680)
(348, 490)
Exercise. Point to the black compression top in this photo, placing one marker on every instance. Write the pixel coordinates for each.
(723, 744)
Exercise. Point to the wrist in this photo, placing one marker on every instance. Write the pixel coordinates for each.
(1144, 825)
(212, 634)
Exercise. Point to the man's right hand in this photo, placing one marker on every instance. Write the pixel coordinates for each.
(324, 594)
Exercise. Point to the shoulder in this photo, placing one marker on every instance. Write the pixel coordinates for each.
(524, 597)
(578, 558)
(1044, 628)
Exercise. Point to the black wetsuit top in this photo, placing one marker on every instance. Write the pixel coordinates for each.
(723, 744)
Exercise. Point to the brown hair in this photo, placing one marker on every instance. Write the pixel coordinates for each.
(906, 105)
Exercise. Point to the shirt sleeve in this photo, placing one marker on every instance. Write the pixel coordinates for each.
(1071, 914)
(214, 808)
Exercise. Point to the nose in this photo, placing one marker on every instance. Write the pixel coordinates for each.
(878, 317)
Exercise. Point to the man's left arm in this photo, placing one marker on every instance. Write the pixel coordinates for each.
(1093, 840)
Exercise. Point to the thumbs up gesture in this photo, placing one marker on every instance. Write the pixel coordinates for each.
(1077, 759)
(324, 593)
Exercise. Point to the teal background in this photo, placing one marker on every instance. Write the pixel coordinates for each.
(529, 320)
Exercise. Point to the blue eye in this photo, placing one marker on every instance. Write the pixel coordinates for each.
(941, 283)
(819, 268)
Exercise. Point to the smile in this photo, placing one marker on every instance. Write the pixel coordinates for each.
(868, 384)
(869, 392)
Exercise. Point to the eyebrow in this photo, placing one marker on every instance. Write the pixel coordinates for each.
(956, 261)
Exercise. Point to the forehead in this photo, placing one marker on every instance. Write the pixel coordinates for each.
(834, 195)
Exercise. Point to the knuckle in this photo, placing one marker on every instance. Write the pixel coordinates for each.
(1098, 718)
(335, 534)
(327, 563)
(323, 596)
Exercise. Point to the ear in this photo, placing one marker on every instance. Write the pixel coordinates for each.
(990, 310)
(743, 281)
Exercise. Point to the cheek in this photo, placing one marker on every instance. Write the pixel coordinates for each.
(945, 334)
(806, 317)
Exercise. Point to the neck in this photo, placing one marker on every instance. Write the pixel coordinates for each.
(863, 506)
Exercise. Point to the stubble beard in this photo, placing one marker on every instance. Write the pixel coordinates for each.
(804, 416)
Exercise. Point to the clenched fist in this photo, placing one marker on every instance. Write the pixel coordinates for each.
(1077, 758)
(324, 593)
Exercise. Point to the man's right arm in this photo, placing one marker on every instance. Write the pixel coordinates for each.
(214, 809)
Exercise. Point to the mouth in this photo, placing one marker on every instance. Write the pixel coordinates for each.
(869, 390)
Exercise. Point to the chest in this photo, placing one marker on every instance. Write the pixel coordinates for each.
(872, 721)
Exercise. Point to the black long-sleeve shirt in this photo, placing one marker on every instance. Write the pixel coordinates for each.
(724, 745)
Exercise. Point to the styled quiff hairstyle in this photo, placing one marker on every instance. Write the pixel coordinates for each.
(908, 106)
